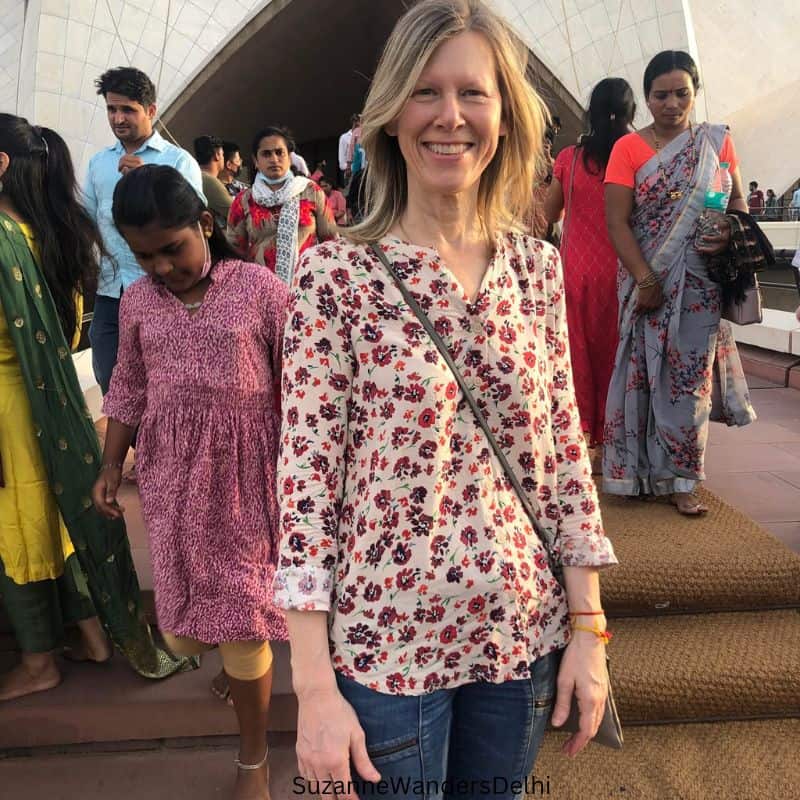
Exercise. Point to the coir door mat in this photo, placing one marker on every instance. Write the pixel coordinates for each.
(670, 563)
(706, 666)
(730, 761)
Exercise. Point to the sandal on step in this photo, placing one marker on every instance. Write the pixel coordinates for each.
(221, 688)
(688, 505)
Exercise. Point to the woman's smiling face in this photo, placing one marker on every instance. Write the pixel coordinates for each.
(449, 128)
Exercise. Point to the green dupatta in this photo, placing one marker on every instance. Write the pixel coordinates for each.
(71, 454)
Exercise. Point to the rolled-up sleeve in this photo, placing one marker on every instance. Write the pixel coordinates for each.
(316, 383)
(127, 393)
(581, 540)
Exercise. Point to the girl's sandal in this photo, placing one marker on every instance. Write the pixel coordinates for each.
(688, 505)
(221, 689)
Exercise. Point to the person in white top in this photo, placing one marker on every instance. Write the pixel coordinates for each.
(794, 206)
(344, 149)
(299, 163)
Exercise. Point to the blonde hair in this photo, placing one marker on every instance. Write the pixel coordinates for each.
(506, 185)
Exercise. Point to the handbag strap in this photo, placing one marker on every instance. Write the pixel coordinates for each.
(473, 404)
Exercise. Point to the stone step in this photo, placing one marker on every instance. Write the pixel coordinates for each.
(111, 703)
(670, 669)
(725, 761)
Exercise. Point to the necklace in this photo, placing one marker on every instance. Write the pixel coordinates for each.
(193, 306)
(675, 194)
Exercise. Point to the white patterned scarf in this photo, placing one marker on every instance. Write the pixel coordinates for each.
(287, 240)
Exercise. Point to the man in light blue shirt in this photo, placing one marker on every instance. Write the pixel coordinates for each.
(131, 106)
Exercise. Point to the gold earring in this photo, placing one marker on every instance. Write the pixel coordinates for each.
(207, 234)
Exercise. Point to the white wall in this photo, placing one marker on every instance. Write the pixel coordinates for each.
(583, 41)
(10, 42)
(748, 55)
(74, 41)
(745, 48)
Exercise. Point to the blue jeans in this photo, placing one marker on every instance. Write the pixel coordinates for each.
(104, 339)
(477, 740)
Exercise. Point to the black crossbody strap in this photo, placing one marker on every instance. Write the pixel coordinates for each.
(473, 404)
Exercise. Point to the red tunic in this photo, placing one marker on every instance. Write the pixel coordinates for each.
(590, 278)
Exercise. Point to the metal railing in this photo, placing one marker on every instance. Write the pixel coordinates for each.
(779, 213)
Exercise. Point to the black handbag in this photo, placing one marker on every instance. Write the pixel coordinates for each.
(610, 731)
(736, 269)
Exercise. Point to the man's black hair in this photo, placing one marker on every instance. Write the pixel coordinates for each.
(204, 148)
(230, 149)
(127, 81)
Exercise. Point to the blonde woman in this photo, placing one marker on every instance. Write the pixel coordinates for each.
(427, 629)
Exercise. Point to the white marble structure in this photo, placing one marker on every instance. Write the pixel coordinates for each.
(51, 50)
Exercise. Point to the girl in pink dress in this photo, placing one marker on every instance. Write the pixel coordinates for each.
(198, 373)
(590, 261)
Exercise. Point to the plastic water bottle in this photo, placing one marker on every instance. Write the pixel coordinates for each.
(715, 205)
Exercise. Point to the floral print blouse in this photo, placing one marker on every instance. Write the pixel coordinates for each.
(253, 229)
(396, 517)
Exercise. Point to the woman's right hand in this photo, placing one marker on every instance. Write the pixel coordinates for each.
(649, 299)
(328, 737)
(104, 492)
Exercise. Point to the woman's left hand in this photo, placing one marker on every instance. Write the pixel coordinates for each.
(583, 672)
(714, 243)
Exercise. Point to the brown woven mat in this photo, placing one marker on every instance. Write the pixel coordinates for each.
(669, 562)
(706, 666)
(730, 761)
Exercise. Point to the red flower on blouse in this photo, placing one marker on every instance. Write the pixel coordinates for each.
(427, 418)
(260, 214)
(306, 213)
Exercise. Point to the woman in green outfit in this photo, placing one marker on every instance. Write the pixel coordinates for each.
(60, 562)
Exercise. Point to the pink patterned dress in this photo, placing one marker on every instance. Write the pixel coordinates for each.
(203, 389)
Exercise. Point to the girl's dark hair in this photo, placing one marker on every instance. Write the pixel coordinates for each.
(668, 61)
(40, 183)
(160, 194)
(612, 108)
(273, 130)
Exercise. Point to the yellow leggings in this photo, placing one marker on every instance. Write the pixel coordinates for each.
(242, 660)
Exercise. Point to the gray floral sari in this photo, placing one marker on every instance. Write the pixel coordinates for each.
(677, 367)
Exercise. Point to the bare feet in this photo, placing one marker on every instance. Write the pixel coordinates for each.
(37, 673)
(221, 689)
(688, 504)
(252, 782)
(93, 646)
(82, 652)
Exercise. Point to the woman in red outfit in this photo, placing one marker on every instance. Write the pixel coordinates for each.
(590, 261)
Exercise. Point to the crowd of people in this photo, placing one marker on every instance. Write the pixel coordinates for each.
(769, 208)
(307, 465)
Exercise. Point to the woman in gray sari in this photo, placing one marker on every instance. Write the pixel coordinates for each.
(675, 354)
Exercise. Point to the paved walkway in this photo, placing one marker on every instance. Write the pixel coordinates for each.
(756, 469)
